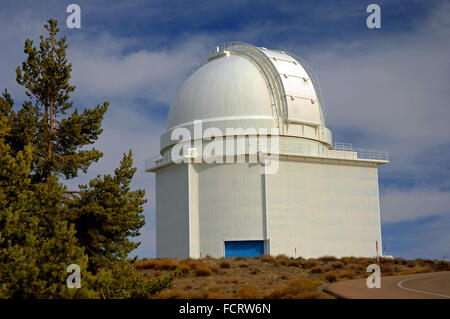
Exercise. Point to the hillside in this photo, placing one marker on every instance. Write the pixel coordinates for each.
(270, 277)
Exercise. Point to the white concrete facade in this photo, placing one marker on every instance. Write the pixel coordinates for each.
(320, 201)
(310, 208)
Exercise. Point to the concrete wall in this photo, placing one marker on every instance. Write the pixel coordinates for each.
(309, 208)
(319, 208)
(172, 212)
(230, 205)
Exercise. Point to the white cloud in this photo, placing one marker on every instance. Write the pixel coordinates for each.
(100, 68)
(413, 204)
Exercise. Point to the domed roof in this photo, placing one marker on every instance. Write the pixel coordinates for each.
(244, 86)
(224, 87)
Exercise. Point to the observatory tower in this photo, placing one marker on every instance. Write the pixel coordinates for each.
(298, 196)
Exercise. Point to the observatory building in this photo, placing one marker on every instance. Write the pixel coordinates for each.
(247, 166)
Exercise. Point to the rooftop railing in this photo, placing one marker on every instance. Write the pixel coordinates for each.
(157, 161)
(362, 153)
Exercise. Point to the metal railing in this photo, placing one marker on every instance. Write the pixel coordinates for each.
(157, 161)
(363, 153)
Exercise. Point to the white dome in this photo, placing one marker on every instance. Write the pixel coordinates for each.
(242, 86)
(224, 87)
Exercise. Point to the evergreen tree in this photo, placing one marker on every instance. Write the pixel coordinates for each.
(43, 227)
(106, 213)
(59, 145)
(36, 243)
(57, 142)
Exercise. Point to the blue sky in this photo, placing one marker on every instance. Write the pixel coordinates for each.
(384, 89)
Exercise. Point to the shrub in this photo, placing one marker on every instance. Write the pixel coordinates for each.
(215, 269)
(225, 264)
(254, 271)
(349, 260)
(266, 258)
(281, 259)
(296, 289)
(411, 264)
(331, 276)
(243, 266)
(366, 261)
(234, 280)
(317, 270)
(425, 269)
(387, 269)
(167, 264)
(327, 259)
(193, 264)
(121, 281)
(357, 268)
(311, 263)
(349, 274)
(386, 260)
(441, 266)
(171, 294)
(428, 262)
(247, 292)
(184, 269)
(145, 264)
(157, 264)
(337, 265)
(399, 261)
(202, 270)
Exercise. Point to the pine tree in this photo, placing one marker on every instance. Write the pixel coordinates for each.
(43, 227)
(59, 145)
(57, 142)
(106, 213)
(36, 243)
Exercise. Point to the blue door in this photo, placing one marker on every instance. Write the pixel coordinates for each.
(244, 248)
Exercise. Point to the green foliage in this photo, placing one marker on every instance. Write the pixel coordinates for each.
(57, 142)
(106, 213)
(43, 227)
(122, 281)
(36, 243)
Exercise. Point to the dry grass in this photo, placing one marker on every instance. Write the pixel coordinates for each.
(317, 270)
(327, 259)
(337, 265)
(301, 288)
(157, 264)
(346, 274)
(202, 270)
(281, 259)
(225, 264)
(311, 263)
(270, 277)
(266, 258)
(441, 266)
(331, 276)
(247, 292)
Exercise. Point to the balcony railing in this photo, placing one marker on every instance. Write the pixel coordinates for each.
(362, 153)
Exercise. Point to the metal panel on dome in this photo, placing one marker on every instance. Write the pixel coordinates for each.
(302, 110)
(301, 98)
(299, 87)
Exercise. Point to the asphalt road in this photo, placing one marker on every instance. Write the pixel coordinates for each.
(418, 286)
